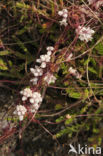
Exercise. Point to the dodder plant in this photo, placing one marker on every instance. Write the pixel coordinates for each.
(68, 31)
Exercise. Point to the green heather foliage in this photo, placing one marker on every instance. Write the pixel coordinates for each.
(26, 29)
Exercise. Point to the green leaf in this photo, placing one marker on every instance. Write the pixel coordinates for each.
(58, 106)
(22, 5)
(68, 121)
(83, 110)
(91, 69)
(93, 61)
(95, 130)
(5, 52)
(60, 119)
(62, 132)
(87, 61)
(99, 47)
(3, 65)
(73, 93)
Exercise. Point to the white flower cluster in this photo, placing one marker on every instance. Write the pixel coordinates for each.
(85, 33)
(27, 92)
(43, 60)
(34, 97)
(75, 73)
(20, 111)
(35, 100)
(37, 71)
(64, 14)
(34, 80)
(49, 78)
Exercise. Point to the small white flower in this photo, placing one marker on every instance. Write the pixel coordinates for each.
(43, 65)
(42, 57)
(64, 22)
(85, 33)
(60, 13)
(78, 76)
(34, 80)
(21, 117)
(47, 58)
(37, 71)
(65, 15)
(36, 106)
(50, 48)
(65, 11)
(24, 98)
(72, 71)
(49, 53)
(32, 100)
(20, 111)
(43, 60)
(75, 73)
(49, 78)
(32, 70)
(36, 74)
(37, 95)
(27, 92)
(36, 98)
(38, 60)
